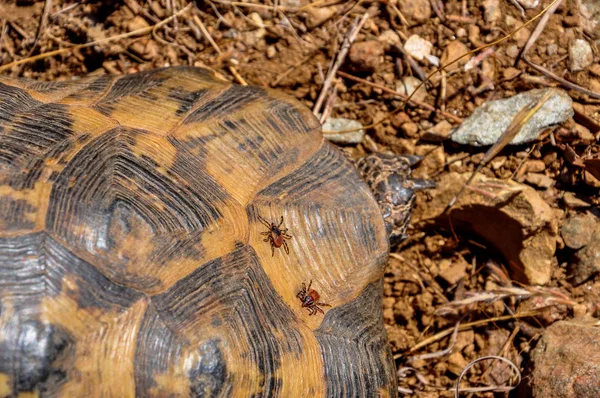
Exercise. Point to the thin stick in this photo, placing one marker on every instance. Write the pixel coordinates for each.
(205, 33)
(348, 40)
(465, 326)
(93, 43)
(562, 81)
(539, 28)
(404, 96)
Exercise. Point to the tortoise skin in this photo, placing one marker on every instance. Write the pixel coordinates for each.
(131, 259)
(390, 178)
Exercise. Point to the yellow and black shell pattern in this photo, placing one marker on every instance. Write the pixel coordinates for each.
(131, 256)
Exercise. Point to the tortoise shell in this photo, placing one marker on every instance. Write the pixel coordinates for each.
(131, 256)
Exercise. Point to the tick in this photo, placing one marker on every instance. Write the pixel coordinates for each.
(275, 235)
(310, 299)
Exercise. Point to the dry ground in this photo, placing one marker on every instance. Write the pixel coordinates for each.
(289, 45)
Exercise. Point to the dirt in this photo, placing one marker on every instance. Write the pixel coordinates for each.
(290, 47)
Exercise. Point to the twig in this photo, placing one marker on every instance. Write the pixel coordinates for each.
(205, 33)
(440, 353)
(413, 64)
(465, 326)
(329, 104)
(250, 5)
(404, 96)
(562, 81)
(43, 21)
(93, 43)
(457, 389)
(348, 40)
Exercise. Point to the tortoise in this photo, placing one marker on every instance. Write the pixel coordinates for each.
(133, 258)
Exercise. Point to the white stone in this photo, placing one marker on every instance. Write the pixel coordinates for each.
(417, 47)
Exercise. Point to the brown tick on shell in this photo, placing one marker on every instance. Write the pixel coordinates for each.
(275, 235)
(310, 299)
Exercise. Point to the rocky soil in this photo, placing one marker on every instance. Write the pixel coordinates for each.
(511, 270)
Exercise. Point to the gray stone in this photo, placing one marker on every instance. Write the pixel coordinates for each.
(586, 262)
(489, 121)
(580, 55)
(578, 230)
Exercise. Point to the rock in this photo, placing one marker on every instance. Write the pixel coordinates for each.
(552, 49)
(333, 131)
(415, 11)
(595, 70)
(438, 133)
(317, 16)
(590, 13)
(497, 115)
(456, 363)
(539, 180)
(491, 11)
(410, 129)
(366, 56)
(512, 51)
(452, 271)
(417, 47)
(529, 4)
(566, 362)
(513, 218)
(137, 23)
(452, 51)
(535, 166)
(580, 55)
(389, 37)
(586, 262)
(578, 230)
(408, 84)
(573, 202)
(258, 32)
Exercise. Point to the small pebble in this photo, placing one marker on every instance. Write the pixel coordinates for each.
(586, 262)
(535, 166)
(408, 84)
(418, 11)
(417, 47)
(512, 51)
(579, 310)
(454, 50)
(389, 37)
(410, 129)
(461, 32)
(529, 3)
(333, 127)
(577, 231)
(573, 202)
(552, 49)
(438, 133)
(580, 55)
(595, 70)
(492, 10)
(366, 56)
(539, 180)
